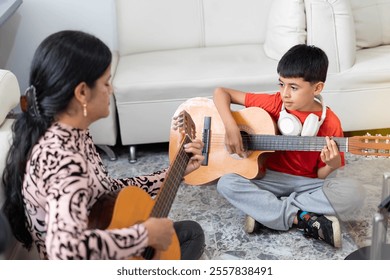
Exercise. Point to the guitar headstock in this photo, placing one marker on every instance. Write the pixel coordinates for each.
(184, 123)
(369, 145)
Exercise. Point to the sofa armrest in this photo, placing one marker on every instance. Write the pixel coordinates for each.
(330, 26)
(114, 62)
(9, 96)
(105, 131)
(9, 93)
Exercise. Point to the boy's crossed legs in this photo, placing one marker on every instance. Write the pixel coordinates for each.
(280, 201)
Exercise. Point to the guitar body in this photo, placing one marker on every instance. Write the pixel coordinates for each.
(220, 162)
(132, 206)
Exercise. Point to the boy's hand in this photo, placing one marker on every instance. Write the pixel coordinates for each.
(330, 154)
(233, 141)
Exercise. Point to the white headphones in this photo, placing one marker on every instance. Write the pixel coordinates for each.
(289, 124)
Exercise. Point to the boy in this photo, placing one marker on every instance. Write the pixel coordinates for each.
(292, 191)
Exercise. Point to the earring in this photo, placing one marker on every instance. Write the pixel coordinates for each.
(85, 113)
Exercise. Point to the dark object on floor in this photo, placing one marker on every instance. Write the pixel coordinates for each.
(5, 233)
(364, 253)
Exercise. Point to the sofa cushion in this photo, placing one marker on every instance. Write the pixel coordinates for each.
(330, 26)
(372, 22)
(286, 27)
(150, 86)
(153, 25)
(185, 73)
(360, 95)
(371, 69)
(232, 22)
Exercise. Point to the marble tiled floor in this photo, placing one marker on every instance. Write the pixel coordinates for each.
(223, 224)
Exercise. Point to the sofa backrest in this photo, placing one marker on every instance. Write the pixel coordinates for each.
(330, 26)
(153, 25)
(372, 22)
(340, 27)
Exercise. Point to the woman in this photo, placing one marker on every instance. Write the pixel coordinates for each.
(54, 174)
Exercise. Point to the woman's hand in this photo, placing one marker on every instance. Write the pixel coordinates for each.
(160, 232)
(194, 148)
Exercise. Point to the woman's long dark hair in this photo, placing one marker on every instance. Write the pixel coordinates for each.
(60, 63)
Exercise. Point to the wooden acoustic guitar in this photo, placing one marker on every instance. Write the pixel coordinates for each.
(258, 132)
(133, 205)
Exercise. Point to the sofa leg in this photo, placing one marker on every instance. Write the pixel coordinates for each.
(132, 154)
(109, 152)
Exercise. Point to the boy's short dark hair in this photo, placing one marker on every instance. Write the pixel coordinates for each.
(303, 61)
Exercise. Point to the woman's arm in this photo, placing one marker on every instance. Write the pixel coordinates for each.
(69, 193)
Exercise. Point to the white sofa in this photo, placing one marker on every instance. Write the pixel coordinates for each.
(355, 34)
(9, 96)
(105, 131)
(172, 50)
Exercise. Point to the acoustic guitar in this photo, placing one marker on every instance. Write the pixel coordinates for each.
(133, 205)
(258, 132)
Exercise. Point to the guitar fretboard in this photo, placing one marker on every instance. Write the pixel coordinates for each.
(172, 182)
(290, 143)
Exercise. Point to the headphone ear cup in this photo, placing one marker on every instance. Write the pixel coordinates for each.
(311, 125)
(289, 124)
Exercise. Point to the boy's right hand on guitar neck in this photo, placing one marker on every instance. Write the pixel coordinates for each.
(160, 233)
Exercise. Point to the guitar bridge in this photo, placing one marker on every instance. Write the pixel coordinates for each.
(206, 140)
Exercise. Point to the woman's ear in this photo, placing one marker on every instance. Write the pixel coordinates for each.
(81, 93)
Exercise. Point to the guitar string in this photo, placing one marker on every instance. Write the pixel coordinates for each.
(172, 182)
(171, 185)
(167, 192)
(273, 142)
(363, 143)
(363, 139)
(280, 142)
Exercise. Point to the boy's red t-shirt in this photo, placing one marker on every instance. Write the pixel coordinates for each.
(295, 162)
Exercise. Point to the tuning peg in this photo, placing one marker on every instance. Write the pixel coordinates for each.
(177, 121)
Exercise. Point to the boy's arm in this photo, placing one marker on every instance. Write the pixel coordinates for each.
(330, 155)
(223, 98)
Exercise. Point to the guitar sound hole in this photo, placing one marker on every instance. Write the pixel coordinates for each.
(245, 144)
(245, 140)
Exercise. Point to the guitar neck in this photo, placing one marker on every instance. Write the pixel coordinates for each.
(290, 143)
(172, 182)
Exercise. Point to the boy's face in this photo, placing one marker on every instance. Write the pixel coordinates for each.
(298, 94)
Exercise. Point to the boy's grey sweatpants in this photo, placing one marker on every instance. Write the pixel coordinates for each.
(275, 199)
